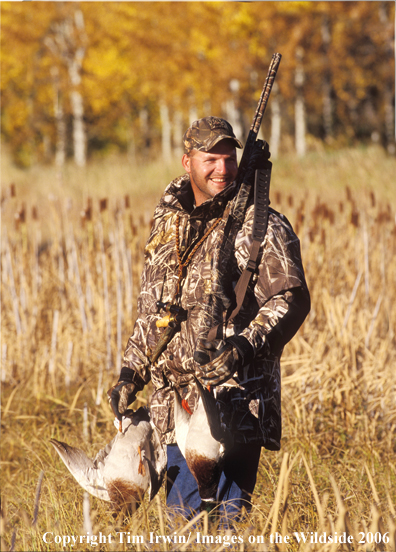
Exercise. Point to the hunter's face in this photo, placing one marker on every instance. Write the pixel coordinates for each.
(211, 171)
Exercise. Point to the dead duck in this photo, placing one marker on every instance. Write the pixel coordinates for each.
(121, 473)
(203, 441)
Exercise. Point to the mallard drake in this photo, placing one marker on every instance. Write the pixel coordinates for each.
(203, 441)
(121, 473)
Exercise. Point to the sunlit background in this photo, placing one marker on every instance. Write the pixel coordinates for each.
(95, 99)
(80, 79)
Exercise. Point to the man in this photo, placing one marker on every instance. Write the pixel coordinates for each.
(182, 268)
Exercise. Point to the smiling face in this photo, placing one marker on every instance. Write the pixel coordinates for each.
(211, 171)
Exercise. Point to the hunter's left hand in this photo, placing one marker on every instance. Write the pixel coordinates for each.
(221, 368)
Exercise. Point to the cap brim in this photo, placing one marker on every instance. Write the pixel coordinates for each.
(224, 137)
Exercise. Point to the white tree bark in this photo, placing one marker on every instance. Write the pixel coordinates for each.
(389, 117)
(299, 109)
(326, 100)
(67, 44)
(192, 114)
(60, 145)
(166, 133)
(233, 115)
(178, 132)
(75, 61)
(276, 118)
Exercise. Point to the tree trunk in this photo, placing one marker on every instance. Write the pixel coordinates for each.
(192, 114)
(299, 110)
(177, 134)
(389, 117)
(327, 106)
(75, 66)
(68, 46)
(60, 146)
(79, 139)
(276, 118)
(166, 133)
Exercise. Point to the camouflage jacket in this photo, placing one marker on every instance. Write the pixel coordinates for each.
(275, 305)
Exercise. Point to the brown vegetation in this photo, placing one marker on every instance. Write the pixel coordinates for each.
(70, 278)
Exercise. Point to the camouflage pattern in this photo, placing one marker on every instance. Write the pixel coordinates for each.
(205, 133)
(250, 402)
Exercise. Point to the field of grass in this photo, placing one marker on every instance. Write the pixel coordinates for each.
(71, 254)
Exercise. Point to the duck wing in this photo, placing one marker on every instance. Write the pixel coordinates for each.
(83, 469)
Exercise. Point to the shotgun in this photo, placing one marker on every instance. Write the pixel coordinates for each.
(247, 174)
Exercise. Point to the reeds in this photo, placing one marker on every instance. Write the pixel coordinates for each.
(69, 291)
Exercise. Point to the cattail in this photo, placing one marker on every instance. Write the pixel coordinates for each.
(88, 209)
(103, 204)
(348, 193)
(20, 215)
(331, 216)
(355, 217)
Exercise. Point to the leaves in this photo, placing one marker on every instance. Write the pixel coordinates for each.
(138, 54)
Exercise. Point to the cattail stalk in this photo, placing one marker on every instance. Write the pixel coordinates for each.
(85, 422)
(68, 363)
(279, 491)
(106, 300)
(366, 261)
(119, 304)
(78, 284)
(37, 500)
(14, 296)
(373, 319)
(351, 300)
(87, 514)
(54, 340)
(4, 362)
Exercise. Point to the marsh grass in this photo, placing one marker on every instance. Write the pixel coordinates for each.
(71, 260)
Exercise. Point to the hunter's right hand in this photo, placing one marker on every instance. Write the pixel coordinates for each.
(120, 396)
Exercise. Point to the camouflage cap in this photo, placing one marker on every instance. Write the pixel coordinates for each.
(206, 133)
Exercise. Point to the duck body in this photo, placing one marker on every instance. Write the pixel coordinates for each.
(121, 473)
(202, 441)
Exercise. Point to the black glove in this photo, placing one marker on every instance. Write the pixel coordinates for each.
(260, 155)
(218, 366)
(124, 392)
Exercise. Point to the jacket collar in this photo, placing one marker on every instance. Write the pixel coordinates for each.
(179, 195)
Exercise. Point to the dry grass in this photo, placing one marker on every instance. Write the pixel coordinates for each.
(70, 277)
